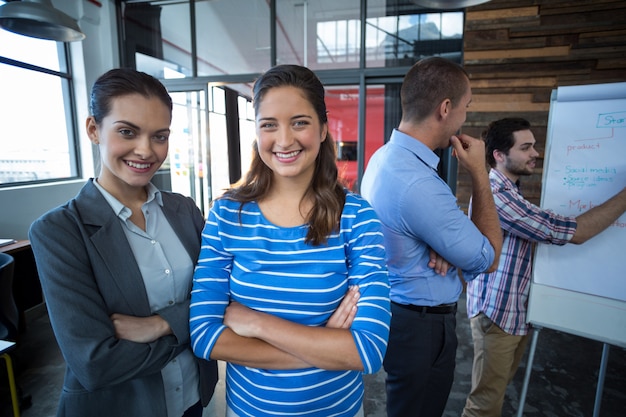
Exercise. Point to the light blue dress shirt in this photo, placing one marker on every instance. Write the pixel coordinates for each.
(167, 271)
(418, 212)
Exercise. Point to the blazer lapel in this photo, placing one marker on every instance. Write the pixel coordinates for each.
(186, 220)
(109, 241)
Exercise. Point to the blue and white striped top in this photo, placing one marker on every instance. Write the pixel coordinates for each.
(246, 258)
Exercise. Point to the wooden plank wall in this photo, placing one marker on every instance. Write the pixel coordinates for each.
(518, 51)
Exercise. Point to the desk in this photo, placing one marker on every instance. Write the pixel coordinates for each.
(26, 285)
(18, 246)
(6, 345)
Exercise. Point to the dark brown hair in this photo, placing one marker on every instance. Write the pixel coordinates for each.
(120, 82)
(329, 196)
(499, 136)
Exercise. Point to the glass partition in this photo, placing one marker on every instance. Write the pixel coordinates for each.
(211, 140)
(186, 163)
(320, 34)
(233, 36)
(158, 36)
(402, 37)
(360, 55)
(247, 132)
(342, 103)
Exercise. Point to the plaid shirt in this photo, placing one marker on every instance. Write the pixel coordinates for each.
(503, 295)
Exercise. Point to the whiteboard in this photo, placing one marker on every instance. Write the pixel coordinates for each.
(581, 289)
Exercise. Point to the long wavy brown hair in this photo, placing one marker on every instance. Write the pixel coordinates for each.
(328, 194)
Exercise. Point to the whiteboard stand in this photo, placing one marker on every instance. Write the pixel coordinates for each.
(583, 167)
(601, 375)
(529, 367)
(531, 356)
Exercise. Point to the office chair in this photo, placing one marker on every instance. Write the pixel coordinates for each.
(9, 315)
(9, 318)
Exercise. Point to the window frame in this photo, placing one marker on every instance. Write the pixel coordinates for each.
(69, 104)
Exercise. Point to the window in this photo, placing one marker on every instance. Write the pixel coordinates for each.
(404, 39)
(37, 135)
(213, 38)
(321, 34)
(327, 34)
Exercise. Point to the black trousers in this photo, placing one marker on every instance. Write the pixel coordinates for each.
(420, 362)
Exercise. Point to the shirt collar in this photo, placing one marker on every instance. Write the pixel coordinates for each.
(415, 146)
(120, 209)
(503, 179)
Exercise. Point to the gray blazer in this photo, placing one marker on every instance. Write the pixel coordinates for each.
(87, 271)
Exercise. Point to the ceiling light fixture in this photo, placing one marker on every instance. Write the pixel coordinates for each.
(39, 19)
(448, 4)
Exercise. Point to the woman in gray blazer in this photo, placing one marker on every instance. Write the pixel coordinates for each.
(116, 265)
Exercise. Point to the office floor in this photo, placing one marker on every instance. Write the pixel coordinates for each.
(563, 381)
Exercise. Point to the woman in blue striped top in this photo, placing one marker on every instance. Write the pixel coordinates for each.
(291, 285)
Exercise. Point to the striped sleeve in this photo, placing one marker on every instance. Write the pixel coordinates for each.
(273, 270)
(210, 293)
(527, 221)
(365, 253)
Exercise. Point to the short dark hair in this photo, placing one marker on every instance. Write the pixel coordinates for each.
(120, 82)
(428, 83)
(499, 136)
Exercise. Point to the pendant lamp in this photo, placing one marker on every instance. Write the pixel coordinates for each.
(39, 19)
(448, 4)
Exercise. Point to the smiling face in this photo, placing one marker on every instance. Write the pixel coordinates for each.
(289, 133)
(133, 142)
(521, 158)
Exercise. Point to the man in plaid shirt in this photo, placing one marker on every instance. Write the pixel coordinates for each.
(497, 301)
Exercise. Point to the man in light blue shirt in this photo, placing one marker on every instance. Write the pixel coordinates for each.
(428, 238)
